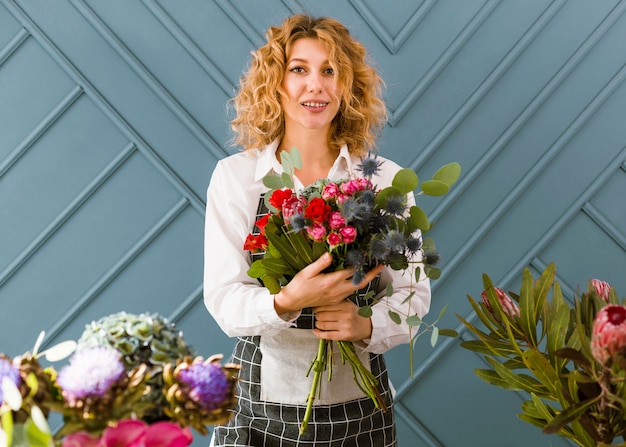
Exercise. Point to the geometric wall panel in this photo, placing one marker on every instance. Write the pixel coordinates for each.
(113, 115)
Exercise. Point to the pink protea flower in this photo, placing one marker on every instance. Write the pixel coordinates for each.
(291, 206)
(608, 339)
(508, 305)
(603, 289)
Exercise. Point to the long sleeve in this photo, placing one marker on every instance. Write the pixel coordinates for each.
(238, 303)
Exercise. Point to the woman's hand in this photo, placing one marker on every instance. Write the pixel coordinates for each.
(341, 321)
(312, 288)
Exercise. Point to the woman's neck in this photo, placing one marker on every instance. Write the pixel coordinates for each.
(317, 157)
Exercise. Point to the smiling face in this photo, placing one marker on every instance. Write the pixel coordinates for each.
(312, 97)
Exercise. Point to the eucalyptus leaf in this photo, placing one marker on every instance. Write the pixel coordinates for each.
(434, 336)
(419, 219)
(414, 320)
(434, 188)
(296, 158)
(432, 272)
(448, 333)
(406, 180)
(273, 182)
(365, 311)
(286, 180)
(394, 317)
(448, 174)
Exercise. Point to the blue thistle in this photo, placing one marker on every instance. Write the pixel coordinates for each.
(395, 205)
(367, 197)
(207, 384)
(9, 371)
(431, 258)
(369, 165)
(298, 222)
(414, 244)
(90, 373)
(379, 250)
(395, 241)
(355, 212)
(355, 258)
(358, 276)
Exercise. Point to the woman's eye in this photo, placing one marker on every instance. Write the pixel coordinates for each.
(297, 70)
(329, 71)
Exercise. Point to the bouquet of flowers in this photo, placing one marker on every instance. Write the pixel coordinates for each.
(569, 357)
(131, 381)
(362, 226)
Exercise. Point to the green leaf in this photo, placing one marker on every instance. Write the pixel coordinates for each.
(286, 162)
(432, 272)
(389, 290)
(434, 336)
(494, 348)
(60, 351)
(541, 367)
(405, 180)
(517, 381)
(442, 312)
(448, 333)
(365, 311)
(272, 284)
(527, 308)
(394, 317)
(448, 174)
(419, 219)
(7, 425)
(435, 188)
(296, 158)
(492, 378)
(287, 180)
(413, 320)
(568, 415)
(275, 267)
(272, 181)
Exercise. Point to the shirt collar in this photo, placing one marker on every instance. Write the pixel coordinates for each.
(267, 162)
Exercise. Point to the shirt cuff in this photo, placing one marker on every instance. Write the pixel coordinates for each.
(267, 312)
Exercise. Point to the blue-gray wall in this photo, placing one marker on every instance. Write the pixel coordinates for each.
(112, 117)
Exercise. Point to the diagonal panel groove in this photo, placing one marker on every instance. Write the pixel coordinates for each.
(457, 44)
(108, 277)
(107, 108)
(40, 129)
(13, 45)
(606, 225)
(68, 212)
(479, 93)
(148, 78)
(530, 109)
(393, 44)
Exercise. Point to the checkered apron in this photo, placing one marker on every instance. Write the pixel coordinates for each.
(257, 423)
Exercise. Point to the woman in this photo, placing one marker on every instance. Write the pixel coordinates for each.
(310, 88)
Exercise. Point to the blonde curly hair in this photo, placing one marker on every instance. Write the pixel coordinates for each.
(259, 116)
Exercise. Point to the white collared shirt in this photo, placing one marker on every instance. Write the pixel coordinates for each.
(238, 303)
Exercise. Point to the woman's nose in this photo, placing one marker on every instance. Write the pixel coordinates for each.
(314, 83)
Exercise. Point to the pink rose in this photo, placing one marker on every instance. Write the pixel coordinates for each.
(334, 239)
(348, 234)
(336, 220)
(608, 338)
(330, 191)
(350, 187)
(317, 232)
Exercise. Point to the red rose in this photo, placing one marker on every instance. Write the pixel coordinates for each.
(279, 196)
(255, 243)
(318, 210)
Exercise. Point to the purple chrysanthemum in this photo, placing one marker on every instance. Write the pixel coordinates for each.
(91, 372)
(9, 371)
(207, 384)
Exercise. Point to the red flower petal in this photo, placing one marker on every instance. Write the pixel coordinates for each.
(167, 434)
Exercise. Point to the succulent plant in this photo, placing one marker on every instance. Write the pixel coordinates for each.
(148, 339)
(200, 392)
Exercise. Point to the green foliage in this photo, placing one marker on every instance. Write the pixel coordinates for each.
(545, 352)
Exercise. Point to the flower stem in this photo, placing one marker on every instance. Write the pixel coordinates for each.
(319, 364)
